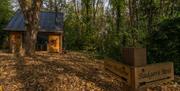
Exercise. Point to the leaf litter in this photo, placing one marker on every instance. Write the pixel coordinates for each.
(72, 71)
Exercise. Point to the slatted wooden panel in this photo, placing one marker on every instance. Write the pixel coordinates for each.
(153, 74)
(140, 77)
(119, 69)
(55, 43)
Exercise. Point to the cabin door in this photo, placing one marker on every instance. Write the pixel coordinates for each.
(42, 41)
(54, 43)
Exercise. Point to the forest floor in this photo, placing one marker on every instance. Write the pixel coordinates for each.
(72, 71)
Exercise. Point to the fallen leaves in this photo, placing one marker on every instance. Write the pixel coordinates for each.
(73, 71)
(1, 88)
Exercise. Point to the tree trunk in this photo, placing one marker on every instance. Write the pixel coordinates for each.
(50, 5)
(31, 11)
(30, 45)
(130, 13)
(150, 17)
(118, 20)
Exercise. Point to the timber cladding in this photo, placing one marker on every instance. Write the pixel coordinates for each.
(139, 77)
(122, 70)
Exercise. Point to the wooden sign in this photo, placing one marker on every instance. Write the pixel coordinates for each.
(119, 69)
(153, 74)
(136, 73)
(139, 77)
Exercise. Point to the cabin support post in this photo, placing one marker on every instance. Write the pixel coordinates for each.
(15, 42)
(134, 56)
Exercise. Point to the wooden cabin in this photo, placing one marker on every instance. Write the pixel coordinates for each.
(50, 36)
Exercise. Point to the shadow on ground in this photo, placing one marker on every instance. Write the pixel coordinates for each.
(69, 72)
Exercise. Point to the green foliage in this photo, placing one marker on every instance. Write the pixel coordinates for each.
(134, 37)
(165, 43)
(5, 13)
(104, 27)
(110, 31)
(72, 31)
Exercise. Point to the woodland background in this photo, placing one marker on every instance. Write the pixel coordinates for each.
(103, 27)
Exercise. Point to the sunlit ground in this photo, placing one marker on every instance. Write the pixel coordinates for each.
(53, 72)
(73, 71)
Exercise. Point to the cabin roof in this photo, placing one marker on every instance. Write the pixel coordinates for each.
(49, 22)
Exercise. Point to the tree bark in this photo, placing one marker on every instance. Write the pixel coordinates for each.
(150, 17)
(50, 5)
(31, 11)
(130, 13)
(118, 14)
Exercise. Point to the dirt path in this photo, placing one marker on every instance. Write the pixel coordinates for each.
(52, 72)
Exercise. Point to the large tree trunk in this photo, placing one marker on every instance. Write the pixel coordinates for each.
(30, 44)
(31, 11)
(150, 17)
(118, 19)
(50, 5)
